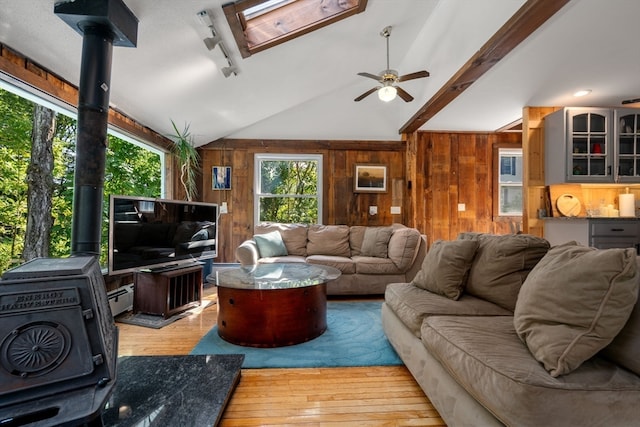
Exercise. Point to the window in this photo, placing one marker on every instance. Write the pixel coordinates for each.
(288, 188)
(258, 25)
(509, 181)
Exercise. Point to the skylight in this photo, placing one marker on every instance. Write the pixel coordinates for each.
(259, 9)
(258, 25)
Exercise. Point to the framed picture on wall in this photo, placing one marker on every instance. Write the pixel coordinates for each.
(370, 178)
(221, 177)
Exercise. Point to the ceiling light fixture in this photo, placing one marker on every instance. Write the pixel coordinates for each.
(387, 93)
(582, 92)
(206, 18)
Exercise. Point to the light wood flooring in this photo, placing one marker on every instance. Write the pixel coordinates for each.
(369, 396)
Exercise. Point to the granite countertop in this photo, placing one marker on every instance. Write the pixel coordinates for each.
(172, 390)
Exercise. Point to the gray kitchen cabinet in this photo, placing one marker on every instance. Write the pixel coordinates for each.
(592, 145)
(601, 233)
(613, 233)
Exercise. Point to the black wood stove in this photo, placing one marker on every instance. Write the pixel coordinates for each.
(58, 343)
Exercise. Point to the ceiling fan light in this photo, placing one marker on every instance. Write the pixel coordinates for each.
(387, 93)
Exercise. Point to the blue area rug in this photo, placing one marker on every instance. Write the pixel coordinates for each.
(354, 337)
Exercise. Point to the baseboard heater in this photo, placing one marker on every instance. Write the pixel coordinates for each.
(121, 299)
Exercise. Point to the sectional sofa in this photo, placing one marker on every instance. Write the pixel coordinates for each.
(503, 330)
(369, 257)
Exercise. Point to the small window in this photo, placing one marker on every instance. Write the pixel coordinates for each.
(509, 182)
(258, 25)
(288, 188)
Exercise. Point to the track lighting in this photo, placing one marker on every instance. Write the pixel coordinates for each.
(206, 18)
(212, 42)
(231, 69)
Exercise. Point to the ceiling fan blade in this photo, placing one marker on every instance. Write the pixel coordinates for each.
(404, 95)
(371, 76)
(416, 75)
(367, 93)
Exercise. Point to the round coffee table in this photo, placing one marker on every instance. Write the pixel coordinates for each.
(273, 305)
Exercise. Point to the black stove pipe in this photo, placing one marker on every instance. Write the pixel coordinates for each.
(102, 24)
(91, 144)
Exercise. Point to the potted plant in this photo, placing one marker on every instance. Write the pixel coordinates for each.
(188, 159)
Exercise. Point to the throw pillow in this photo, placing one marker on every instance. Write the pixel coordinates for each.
(328, 240)
(293, 235)
(445, 267)
(270, 244)
(502, 264)
(574, 302)
(376, 241)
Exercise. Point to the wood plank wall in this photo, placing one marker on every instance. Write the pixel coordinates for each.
(429, 174)
(341, 204)
(453, 168)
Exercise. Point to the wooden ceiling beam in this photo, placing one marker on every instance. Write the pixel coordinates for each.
(521, 25)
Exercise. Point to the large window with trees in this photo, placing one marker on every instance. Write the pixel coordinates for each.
(288, 188)
(132, 168)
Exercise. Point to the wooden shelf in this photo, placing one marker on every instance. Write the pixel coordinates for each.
(168, 292)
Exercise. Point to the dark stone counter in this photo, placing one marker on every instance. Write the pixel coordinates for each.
(172, 390)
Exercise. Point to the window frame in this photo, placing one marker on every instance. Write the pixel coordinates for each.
(497, 186)
(259, 157)
(241, 27)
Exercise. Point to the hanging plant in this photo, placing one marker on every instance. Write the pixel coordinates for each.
(188, 159)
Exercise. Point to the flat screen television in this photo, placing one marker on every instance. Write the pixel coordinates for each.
(149, 234)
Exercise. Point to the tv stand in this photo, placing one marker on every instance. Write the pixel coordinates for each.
(167, 292)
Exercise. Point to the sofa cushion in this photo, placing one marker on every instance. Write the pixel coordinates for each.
(356, 237)
(376, 241)
(574, 302)
(485, 356)
(293, 235)
(412, 305)
(374, 265)
(445, 267)
(328, 240)
(625, 347)
(501, 265)
(344, 264)
(270, 244)
(403, 246)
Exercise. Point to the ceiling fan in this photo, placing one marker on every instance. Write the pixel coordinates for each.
(389, 78)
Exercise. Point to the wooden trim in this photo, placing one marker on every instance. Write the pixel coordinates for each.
(42, 81)
(523, 23)
(308, 146)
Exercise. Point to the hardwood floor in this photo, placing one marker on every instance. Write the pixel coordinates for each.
(368, 396)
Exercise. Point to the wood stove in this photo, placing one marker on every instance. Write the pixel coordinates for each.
(58, 342)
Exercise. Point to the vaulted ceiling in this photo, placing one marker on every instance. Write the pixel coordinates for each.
(305, 88)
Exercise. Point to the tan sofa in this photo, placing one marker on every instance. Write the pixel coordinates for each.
(510, 332)
(369, 257)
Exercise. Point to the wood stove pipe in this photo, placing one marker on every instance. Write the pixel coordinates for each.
(102, 24)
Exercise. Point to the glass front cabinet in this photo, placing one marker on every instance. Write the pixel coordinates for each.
(592, 145)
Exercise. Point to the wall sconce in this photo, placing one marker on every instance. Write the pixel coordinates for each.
(206, 17)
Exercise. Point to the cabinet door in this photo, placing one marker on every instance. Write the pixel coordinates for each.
(589, 153)
(627, 132)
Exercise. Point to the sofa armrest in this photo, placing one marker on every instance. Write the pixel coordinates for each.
(417, 262)
(247, 253)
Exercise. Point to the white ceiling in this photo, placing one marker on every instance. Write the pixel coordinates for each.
(304, 89)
